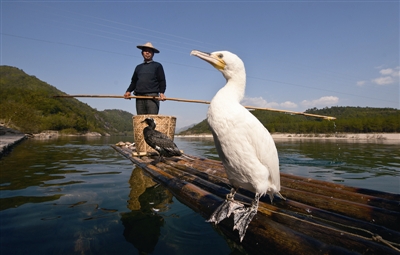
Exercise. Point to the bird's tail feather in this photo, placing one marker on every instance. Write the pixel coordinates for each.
(280, 196)
(173, 151)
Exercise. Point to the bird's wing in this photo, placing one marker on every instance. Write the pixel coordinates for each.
(241, 140)
(159, 136)
(264, 146)
(163, 142)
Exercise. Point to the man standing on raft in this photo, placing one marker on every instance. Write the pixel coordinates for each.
(148, 80)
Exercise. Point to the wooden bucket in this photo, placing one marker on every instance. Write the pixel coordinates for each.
(164, 124)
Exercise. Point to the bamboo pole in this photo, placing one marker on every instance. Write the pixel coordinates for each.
(319, 196)
(221, 187)
(203, 102)
(283, 227)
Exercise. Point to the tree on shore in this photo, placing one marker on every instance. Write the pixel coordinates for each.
(349, 120)
(27, 104)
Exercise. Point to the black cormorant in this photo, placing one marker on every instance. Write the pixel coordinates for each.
(159, 141)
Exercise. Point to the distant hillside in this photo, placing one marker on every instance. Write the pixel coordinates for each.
(119, 120)
(184, 128)
(349, 120)
(27, 104)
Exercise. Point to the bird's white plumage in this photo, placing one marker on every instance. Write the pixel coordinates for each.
(247, 151)
(244, 145)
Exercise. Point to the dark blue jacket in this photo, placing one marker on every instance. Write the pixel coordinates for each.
(148, 77)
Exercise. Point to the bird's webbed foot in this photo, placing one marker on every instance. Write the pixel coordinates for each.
(224, 211)
(242, 218)
(226, 208)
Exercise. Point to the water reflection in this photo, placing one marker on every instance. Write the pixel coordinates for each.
(190, 145)
(79, 196)
(142, 226)
(138, 184)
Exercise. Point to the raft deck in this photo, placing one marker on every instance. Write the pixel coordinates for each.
(317, 217)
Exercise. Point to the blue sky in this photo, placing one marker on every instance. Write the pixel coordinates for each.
(298, 54)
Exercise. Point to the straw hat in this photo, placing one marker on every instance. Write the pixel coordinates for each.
(148, 45)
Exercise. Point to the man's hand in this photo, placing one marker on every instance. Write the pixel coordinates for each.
(162, 97)
(127, 95)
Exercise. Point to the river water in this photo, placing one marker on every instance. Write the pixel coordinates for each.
(77, 195)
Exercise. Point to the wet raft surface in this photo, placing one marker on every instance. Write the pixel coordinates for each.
(317, 218)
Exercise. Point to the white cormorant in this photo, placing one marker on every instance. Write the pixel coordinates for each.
(244, 145)
(159, 141)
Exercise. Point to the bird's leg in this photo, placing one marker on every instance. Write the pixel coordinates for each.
(243, 216)
(226, 208)
(159, 159)
(231, 195)
(156, 160)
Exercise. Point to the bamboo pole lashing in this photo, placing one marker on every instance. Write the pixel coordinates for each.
(202, 102)
(312, 231)
(267, 209)
(359, 209)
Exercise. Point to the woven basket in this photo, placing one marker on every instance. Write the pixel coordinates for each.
(164, 124)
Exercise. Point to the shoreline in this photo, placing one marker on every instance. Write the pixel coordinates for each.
(395, 137)
(48, 134)
(8, 139)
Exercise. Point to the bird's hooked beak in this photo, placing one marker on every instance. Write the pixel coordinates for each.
(214, 59)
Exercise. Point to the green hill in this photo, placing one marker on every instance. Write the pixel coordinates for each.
(27, 104)
(349, 120)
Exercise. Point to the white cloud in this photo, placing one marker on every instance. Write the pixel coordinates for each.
(288, 105)
(323, 101)
(383, 80)
(361, 83)
(320, 102)
(260, 102)
(396, 72)
(389, 76)
(392, 72)
(387, 71)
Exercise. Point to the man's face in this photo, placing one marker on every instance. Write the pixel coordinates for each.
(147, 54)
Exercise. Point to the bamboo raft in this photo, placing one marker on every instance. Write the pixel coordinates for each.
(318, 217)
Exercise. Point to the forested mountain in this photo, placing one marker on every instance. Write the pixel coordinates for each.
(27, 104)
(349, 120)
